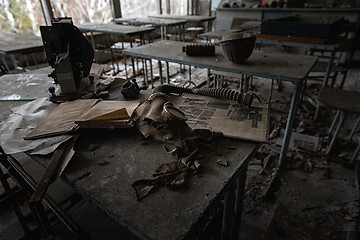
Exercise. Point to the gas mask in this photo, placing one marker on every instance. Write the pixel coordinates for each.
(159, 119)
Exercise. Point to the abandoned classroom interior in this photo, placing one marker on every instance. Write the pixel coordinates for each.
(174, 119)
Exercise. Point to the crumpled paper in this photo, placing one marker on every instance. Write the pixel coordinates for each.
(23, 119)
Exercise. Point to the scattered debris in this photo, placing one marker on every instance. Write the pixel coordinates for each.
(102, 163)
(299, 140)
(222, 162)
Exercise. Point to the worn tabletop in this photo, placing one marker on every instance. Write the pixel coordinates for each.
(221, 33)
(164, 214)
(318, 44)
(191, 18)
(11, 43)
(281, 66)
(114, 29)
(150, 21)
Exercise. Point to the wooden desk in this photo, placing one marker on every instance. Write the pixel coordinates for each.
(164, 214)
(190, 18)
(287, 67)
(156, 22)
(14, 43)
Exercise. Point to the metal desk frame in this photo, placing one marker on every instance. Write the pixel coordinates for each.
(123, 31)
(332, 48)
(219, 62)
(218, 35)
(190, 18)
(162, 23)
(24, 44)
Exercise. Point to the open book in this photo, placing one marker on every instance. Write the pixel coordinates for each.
(86, 113)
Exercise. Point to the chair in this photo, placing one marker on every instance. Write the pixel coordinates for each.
(346, 102)
(340, 65)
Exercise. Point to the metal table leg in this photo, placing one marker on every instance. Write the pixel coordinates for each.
(132, 59)
(240, 192)
(3, 60)
(326, 79)
(228, 214)
(167, 73)
(160, 73)
(29, 184)
(14, 203)
(13, 60)
(290, 122)
(341, 123)
(162, 32)
(151, 74)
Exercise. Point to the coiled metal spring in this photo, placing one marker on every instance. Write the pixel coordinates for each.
(197, 49)
(222, 93)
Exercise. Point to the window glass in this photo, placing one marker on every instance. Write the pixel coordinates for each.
(84, 10)
(21, 16)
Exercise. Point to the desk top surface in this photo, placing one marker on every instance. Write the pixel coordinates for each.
(164, 214)
(221, 33)
(19, 43)
(186, 17)
(281, 66)
(152, 21)
(113, 28)
(319, 44)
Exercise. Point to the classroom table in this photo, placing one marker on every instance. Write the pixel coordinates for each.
(121, 30)
(303, 43)
(310, 44)
(190, 18)
(116, 29)
(178, 24)
(164, 214)
(15, 43)
(218, 35)
(251, 27)
(281, 66)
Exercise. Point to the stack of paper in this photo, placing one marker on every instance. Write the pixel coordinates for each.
(88, 113)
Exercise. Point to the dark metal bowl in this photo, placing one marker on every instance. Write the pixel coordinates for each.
(238, 47)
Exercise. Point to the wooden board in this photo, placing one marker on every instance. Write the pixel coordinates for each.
(164, 214)
(281, 66)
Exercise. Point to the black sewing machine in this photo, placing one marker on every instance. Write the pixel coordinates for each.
(70, 55)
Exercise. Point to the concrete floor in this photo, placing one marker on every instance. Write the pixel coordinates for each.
(264, 217)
